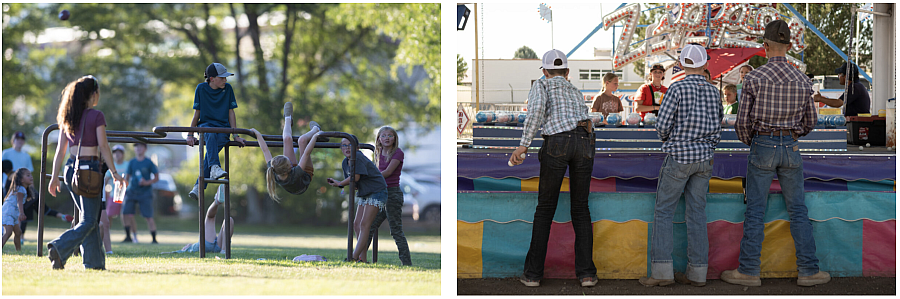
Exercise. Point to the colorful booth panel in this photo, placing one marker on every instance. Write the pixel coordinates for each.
(854, 232)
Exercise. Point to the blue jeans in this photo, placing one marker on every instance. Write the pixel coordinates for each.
(214, 143)
(693, 180)
(573, 150)
(770, 155)
(85, 233)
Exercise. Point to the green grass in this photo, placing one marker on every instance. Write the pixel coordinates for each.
(141, 269)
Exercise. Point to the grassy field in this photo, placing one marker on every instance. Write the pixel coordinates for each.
(261, 264)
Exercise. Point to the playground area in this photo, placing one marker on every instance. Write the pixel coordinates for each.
(261, 264)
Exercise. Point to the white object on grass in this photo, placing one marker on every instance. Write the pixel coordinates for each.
(309, 258)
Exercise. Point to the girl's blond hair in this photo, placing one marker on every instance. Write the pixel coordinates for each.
(278, 165)
(606, 79)
(379, 147)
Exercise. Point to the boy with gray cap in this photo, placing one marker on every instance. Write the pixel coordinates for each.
(558, 106)
(214, 105)
(688, 125)
(776, 109)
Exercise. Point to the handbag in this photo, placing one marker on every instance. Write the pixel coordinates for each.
(86, 181)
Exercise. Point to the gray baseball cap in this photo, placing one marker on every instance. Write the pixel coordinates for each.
(216, 70)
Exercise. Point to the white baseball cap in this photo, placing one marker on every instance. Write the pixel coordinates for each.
(554, 60)
(696, 53)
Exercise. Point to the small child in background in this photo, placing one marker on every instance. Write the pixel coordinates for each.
(731, 102)
(139, 190)
(390, 163)
(371, 195)
(606, 102)
(13, 210)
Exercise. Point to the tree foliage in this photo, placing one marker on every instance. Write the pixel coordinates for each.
(525, 53)
(461, 68)
(348, 73)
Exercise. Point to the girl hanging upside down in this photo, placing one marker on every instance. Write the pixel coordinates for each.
(293, 175)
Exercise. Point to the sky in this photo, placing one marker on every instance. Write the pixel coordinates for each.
(505, 27)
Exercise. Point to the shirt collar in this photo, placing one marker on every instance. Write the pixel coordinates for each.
(778, 59)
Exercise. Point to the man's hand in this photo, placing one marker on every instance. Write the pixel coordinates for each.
(191, 141)
(516, 158)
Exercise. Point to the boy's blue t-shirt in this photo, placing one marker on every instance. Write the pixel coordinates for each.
(370, 179)
(137, 170)
(214, 105)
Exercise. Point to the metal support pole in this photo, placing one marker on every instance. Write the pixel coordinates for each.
(354, 146)
(202, 185)
(40, 189)
(227, 225)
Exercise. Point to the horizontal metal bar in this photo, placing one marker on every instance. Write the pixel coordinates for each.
(208, 181)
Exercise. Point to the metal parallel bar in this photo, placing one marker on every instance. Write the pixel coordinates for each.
(158, 137)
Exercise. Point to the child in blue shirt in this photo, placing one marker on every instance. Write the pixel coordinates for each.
(139, 190)
(214, 105)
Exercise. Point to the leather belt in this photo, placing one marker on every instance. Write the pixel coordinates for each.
(85, 158)
(777, 133)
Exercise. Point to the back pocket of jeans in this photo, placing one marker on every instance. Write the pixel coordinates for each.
(762, 156)
(558, 146)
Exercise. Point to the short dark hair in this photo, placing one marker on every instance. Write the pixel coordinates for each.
(557, 72)
(141, 144)
(7, 166)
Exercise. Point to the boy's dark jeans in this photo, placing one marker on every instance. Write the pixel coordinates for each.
(573, 150)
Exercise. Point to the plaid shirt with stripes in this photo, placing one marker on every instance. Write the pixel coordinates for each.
(562, 114)
(689, 122)
(775, 96)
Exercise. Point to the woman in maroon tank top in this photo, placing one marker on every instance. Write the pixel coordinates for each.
(85, 130)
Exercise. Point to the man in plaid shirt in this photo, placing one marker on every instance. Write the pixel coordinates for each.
(568, 143)
(776, 108)
(689, 126)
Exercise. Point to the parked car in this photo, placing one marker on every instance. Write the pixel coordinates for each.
(411, 190)
(164, 193)
(428, 204)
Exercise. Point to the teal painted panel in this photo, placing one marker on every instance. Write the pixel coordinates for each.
(621, 207)
(504, 247)
(839, 247)
(490, 184)
(866, 185)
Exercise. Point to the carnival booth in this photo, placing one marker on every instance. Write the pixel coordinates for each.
(850, 195)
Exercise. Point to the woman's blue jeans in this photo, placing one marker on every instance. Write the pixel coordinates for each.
(86, 232)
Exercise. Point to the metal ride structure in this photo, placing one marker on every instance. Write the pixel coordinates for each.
(158, 136)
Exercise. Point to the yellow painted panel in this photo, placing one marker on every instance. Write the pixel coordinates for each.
(778, 257)
(532, 184)
(468, 249)
(717, 185)
(620, 249)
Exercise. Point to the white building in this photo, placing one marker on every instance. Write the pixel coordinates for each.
(507, 81)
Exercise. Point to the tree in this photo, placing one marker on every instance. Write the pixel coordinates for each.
(821, 59)
(461, 68)
(525, 53)
(348, 74)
